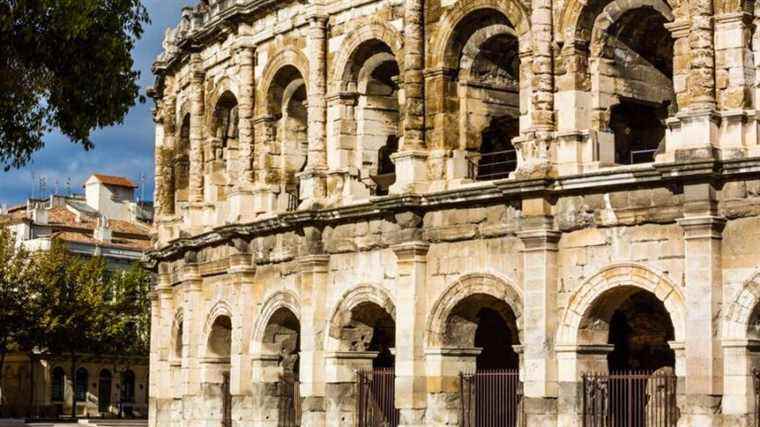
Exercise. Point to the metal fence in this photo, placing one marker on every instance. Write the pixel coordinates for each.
(629, 399)
(491, 398)
(756, 384)
(290, 403)
(226, 401)
(493, 165)
(375, 398)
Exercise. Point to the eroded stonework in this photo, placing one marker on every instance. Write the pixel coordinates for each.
(443, 186)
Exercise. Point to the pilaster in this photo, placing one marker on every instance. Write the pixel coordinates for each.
(411, 394)
(540, 301)
(704, 294)
(313, 186)
(197, 166)
(314, 275)
(738, 388)
(241, 197)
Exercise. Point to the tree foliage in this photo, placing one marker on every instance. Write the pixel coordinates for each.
(66, 65)
(16, 276)
(55, 302)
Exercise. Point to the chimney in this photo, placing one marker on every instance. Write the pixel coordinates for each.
(102, 231)
(39, 214)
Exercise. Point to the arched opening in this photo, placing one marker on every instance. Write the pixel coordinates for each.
(371, 329)
(181, 165)
(175, 359)
(372, 77)
(637, 328)
(636, 54)
(104, 391)
(279, 376)
(484, 93)
(127, 393)
(488, 326)
(57, 384)
(364, 365)
(224, 145)
(80, 384)
(216, 369)
(286, 101)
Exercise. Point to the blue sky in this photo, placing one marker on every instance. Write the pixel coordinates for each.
(125, 150)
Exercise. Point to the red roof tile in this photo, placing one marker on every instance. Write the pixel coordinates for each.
(115, 180)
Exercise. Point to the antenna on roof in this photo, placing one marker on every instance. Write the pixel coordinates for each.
(142, 188)
(34, 185)
(57, 182)
(43, 186)
(67, 189)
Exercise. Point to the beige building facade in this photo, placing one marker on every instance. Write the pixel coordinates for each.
(446, 186)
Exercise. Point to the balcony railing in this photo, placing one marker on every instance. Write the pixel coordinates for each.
(493, 165)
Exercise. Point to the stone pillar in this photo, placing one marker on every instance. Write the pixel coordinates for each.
(264, 197)
(535, 146)
(704, 293)
(740, 357)
(411, 171)
(156, 414)
(266, 372)
(314, 269)
(444, 367)
(241, 275)
(573, 361)
(241, 196)
(313, 185)
(701, 80)
(410, 289)
(192, 322)
(540, 301)
(340, 385)
(735, 80)
(196, 143)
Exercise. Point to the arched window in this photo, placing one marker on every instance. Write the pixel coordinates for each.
(386, 169)
(57, 384)
(104, 390)
(497, 154)
(80, 384)
(128, 386)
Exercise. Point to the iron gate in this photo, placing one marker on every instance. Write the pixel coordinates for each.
(375, 398)
(226, 401)
(756, 384)
(491, 398)
(629, 399)
(290, 403)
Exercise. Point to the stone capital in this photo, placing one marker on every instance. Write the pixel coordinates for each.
(313, 263)
(702, 227)
(411, 251)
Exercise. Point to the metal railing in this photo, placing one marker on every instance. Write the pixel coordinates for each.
(493, 165)
(756, 386)
(226, 401)
(290, 403)
(491, 398)
(293, 200)
(642, 156)
(375, 398)
(629, 399)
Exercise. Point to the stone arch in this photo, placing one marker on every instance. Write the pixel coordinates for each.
(374, 31)
(350, 300)
(222, 88)
(512, 10)
(279, 300)
(182, 112)
(177, 327)
(219, 309)
(742, 309)
(613, 11)
(577, 19)
(286, 57)
(614, 277)
(467, 286)
(472, 47)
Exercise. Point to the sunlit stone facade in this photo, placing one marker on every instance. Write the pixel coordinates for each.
(440, 186)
